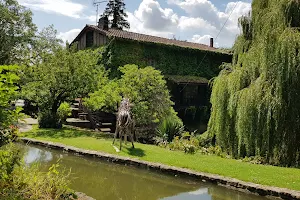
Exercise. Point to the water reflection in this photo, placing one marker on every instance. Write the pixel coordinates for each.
(34, 155)
(102, 180)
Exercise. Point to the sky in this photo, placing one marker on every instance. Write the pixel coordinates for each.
(192, 20)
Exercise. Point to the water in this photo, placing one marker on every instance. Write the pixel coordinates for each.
(103, 180)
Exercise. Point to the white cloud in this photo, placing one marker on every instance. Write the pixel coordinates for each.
(62, 7)
(69, 35)
(202, 20)
(190, 23)
(91, 18)
(203, 39)
(154, 17)
(200, 8)
(136, 25)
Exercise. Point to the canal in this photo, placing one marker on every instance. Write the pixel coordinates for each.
(108, 181)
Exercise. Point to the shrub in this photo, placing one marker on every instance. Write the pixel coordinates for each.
(9, 158)
(64, 111)
(8, 135)
(255, 160)
(188, 148)
(19, 181)
(146, 89)
(47, 119)
(205, 139)
(8, 91)
(161, 141)
(214, 150)
(187, 143)
(170, 127)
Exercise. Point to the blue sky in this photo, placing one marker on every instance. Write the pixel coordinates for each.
(192, 20)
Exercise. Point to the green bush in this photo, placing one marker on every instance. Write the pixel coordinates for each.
(205, 139)
(9, 134)
(8, 91)
(9, 158)
(187, 143)
(170, 127)
(214, 150)
(19, 181)
(145, 87)
(64, 111)
(47, 119)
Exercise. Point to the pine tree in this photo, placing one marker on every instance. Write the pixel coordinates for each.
(256, 99)
(115, 10)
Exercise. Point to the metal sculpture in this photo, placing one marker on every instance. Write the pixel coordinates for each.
(125, 123)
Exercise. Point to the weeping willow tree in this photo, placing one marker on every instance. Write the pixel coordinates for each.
(256, 99)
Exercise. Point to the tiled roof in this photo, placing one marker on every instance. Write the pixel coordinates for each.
(150, 38)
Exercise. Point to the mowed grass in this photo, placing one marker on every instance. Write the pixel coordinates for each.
(261, 174)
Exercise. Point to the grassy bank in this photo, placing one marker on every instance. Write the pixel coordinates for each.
(261, 174)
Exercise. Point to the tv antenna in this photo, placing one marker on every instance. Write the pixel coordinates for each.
(96, 3)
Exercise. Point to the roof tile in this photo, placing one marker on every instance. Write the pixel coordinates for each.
(149, 38)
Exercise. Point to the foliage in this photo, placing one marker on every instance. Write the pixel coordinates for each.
(63, 76)
(19, 181)
(161, 140)
(106, 97)
(170, 127)
(8, 115)
(261, 174)
(8, 135)
(166, 58)
(115, 10)
(214, 150)
(146, 89)
(255, 160)
(255, 102)
(64, 111)
(9, 158)
(205, 139)
(187, 143)
(47, 119)
(43, 43)
(16, 31)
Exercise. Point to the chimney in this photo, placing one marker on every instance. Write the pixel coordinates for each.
(103, 23)
(211, 42)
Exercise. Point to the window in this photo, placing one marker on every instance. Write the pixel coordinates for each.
(89, 39)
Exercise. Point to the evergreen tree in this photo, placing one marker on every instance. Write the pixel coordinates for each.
(255, 101)
(115, 10)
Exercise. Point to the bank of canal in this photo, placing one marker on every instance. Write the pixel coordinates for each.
(104, 180)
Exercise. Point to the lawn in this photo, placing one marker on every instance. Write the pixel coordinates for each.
(261, 174)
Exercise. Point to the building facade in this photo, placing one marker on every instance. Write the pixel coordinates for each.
(187, 66)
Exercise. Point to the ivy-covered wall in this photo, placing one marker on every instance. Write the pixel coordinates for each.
(171, 60)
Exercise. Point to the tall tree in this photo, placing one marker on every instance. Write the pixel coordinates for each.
(255, 101)
(16, 31)
(115, 11)
(63, 76)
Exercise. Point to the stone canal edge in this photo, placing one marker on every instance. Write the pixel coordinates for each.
(205, 177)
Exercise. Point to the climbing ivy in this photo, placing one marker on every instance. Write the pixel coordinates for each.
(171, 60)
(255, 101)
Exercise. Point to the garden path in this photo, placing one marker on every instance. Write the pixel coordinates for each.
(25, 125)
